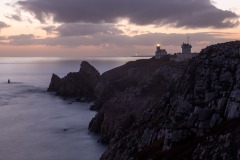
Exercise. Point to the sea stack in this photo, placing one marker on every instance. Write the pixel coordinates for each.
(77, 84)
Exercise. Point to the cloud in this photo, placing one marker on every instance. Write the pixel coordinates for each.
(2, 39)
(86, 29)
(49, 29)
(178, 13)
(3, 25)
(23, 39)
(14, 17)
(118, 41)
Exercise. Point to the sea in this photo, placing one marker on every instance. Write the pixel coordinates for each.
(38, 125)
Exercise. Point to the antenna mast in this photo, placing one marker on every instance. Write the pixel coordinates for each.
(188, 40)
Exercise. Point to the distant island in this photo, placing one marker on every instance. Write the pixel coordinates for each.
(160, 108)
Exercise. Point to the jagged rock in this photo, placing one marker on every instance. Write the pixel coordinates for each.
(89, 73)
(78, 84)
(55, 83)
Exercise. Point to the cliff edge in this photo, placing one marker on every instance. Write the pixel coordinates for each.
(198, 119)
(125, 92)
(160, 109)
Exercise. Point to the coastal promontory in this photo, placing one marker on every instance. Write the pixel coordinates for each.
(161, 109)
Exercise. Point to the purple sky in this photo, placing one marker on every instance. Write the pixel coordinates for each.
(113, 28)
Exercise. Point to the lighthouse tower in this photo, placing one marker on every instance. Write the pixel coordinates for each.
(186, 47)
(160, 52)
(158, 48)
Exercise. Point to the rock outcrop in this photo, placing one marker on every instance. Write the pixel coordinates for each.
(159, 109)
(198, 118)
(54, 84)
(136, 73)
(125, 92)
(79, 84)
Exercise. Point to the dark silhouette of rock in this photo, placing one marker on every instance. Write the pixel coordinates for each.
(159, 109)
(198, 119)
(132, 74)
(125, 92)
(55, 83)
(78, 84)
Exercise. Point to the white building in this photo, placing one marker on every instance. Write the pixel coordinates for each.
(160, 52)
(186, 53)
(186, 48)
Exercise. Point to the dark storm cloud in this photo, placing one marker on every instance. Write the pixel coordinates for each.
(179, 13)
(80, 29)
(3, 25)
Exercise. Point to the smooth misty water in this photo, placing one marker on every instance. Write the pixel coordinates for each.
(32, 121)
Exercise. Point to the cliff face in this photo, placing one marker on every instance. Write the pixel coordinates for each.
(135, 73)
(125, 92)
(159, 109)
(197, 119)
(78, 84)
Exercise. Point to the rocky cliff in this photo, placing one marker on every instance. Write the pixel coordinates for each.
(197, 119)
(136, 73)
(125, 92)
(159, 109)
(79, 84)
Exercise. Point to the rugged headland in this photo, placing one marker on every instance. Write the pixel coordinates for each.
(160, 109)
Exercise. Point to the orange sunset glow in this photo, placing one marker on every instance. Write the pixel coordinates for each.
(31, 28)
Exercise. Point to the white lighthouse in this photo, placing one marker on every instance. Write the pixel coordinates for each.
(160, 52)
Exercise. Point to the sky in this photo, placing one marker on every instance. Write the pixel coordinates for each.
(86, 28)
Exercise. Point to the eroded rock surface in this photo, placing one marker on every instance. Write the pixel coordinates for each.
(197, 119)
(124, 93)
